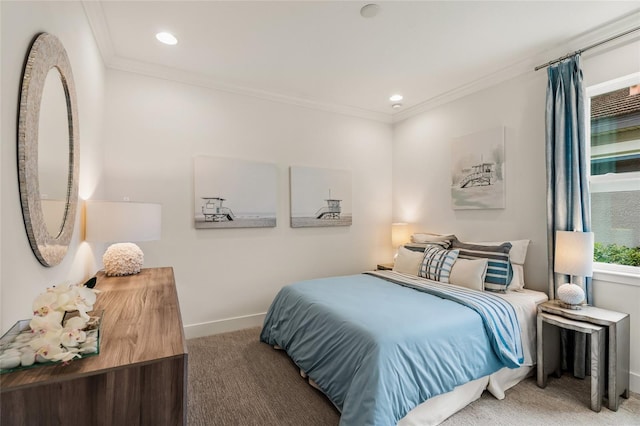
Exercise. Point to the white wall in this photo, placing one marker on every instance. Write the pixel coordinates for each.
(421, 170)
(154, 128)
(22, 277)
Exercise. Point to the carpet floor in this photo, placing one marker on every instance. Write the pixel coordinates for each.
(234, 379)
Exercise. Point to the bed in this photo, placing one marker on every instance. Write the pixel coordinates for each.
(388, 347)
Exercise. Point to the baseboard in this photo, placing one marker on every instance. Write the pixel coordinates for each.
(223, 326)
(634, 382)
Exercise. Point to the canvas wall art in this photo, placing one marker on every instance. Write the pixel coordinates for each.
(231, 193)
(477, 172)
(320, 197)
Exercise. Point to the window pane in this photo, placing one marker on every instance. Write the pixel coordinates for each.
(615, 171)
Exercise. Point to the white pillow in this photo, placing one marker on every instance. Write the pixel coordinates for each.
(469, 273)
(517, 282)
(430, 238)
(408, 261)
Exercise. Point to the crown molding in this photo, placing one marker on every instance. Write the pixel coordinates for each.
(466, 89)
(527, 65)
(100, 28)
(95, 15)
(201, 80)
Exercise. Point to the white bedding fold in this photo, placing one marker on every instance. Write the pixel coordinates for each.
(435, 410)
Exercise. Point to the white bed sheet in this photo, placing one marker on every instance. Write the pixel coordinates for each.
(437, 409)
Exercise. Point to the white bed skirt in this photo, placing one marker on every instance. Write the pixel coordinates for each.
(437, 409)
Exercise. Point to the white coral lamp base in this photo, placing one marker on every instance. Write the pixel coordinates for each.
(122, 259)
(571, 296)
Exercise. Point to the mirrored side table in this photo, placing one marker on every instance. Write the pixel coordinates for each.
(616, 344)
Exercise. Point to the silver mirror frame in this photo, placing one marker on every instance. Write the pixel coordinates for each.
(46, 52)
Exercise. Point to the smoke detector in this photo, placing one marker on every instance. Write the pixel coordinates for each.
(369, 10)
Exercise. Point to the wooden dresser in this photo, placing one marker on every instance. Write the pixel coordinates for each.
(139, 377)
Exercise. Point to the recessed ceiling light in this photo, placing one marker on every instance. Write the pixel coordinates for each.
(395, 98)
(396, 106)
(369, 10)
(167, 38)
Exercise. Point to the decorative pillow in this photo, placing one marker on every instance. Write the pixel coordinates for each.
(518, 251)
(421, 247)
(517, 282)
(408, 261)
(469, 273)
(499, 270)
(430, 238)
(437, 263)
(517, 256)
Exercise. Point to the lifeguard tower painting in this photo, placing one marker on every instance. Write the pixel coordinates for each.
(320, 197)
(232, 193)
(477, 175)
(213, 210)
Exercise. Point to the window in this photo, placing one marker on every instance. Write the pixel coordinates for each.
(614, 116)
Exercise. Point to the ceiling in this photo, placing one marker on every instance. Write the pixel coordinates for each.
(325, 54)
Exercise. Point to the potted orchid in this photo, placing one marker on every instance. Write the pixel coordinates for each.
(53, 333)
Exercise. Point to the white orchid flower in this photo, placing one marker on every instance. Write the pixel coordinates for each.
(70, 338)
(46, 348)
(77, 323)
(51, 322)
(77, 298)
(54, 341)
(66, 297)
(85, 298)
(45, 303)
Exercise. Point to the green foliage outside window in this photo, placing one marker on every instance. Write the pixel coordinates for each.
(614, 253)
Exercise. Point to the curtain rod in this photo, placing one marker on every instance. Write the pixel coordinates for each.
(577, 52)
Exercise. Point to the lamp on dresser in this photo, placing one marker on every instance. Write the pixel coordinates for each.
(573, 257)
(117, 222)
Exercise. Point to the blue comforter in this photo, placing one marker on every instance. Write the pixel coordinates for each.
(378, 349)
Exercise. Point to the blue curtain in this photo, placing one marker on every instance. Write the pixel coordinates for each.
(568, 198)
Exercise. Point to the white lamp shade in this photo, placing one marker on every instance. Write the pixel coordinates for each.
(399, 233)
(574, 253)
(109, 221)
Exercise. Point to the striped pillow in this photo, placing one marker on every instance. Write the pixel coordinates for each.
(430, 238)
(422, 246)
(499, 271)
(437, 263)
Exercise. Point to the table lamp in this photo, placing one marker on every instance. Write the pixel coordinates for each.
(399, 235)
(117, 222)
(573, 257)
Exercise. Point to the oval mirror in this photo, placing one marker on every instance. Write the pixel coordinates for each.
(53, 153)
(48, 156)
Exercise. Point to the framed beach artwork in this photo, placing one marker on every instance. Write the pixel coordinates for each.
(230, 193)
(477, 171)
(320, 197)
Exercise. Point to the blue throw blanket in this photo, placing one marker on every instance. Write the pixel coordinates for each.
(378, 349)
(498, 316)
